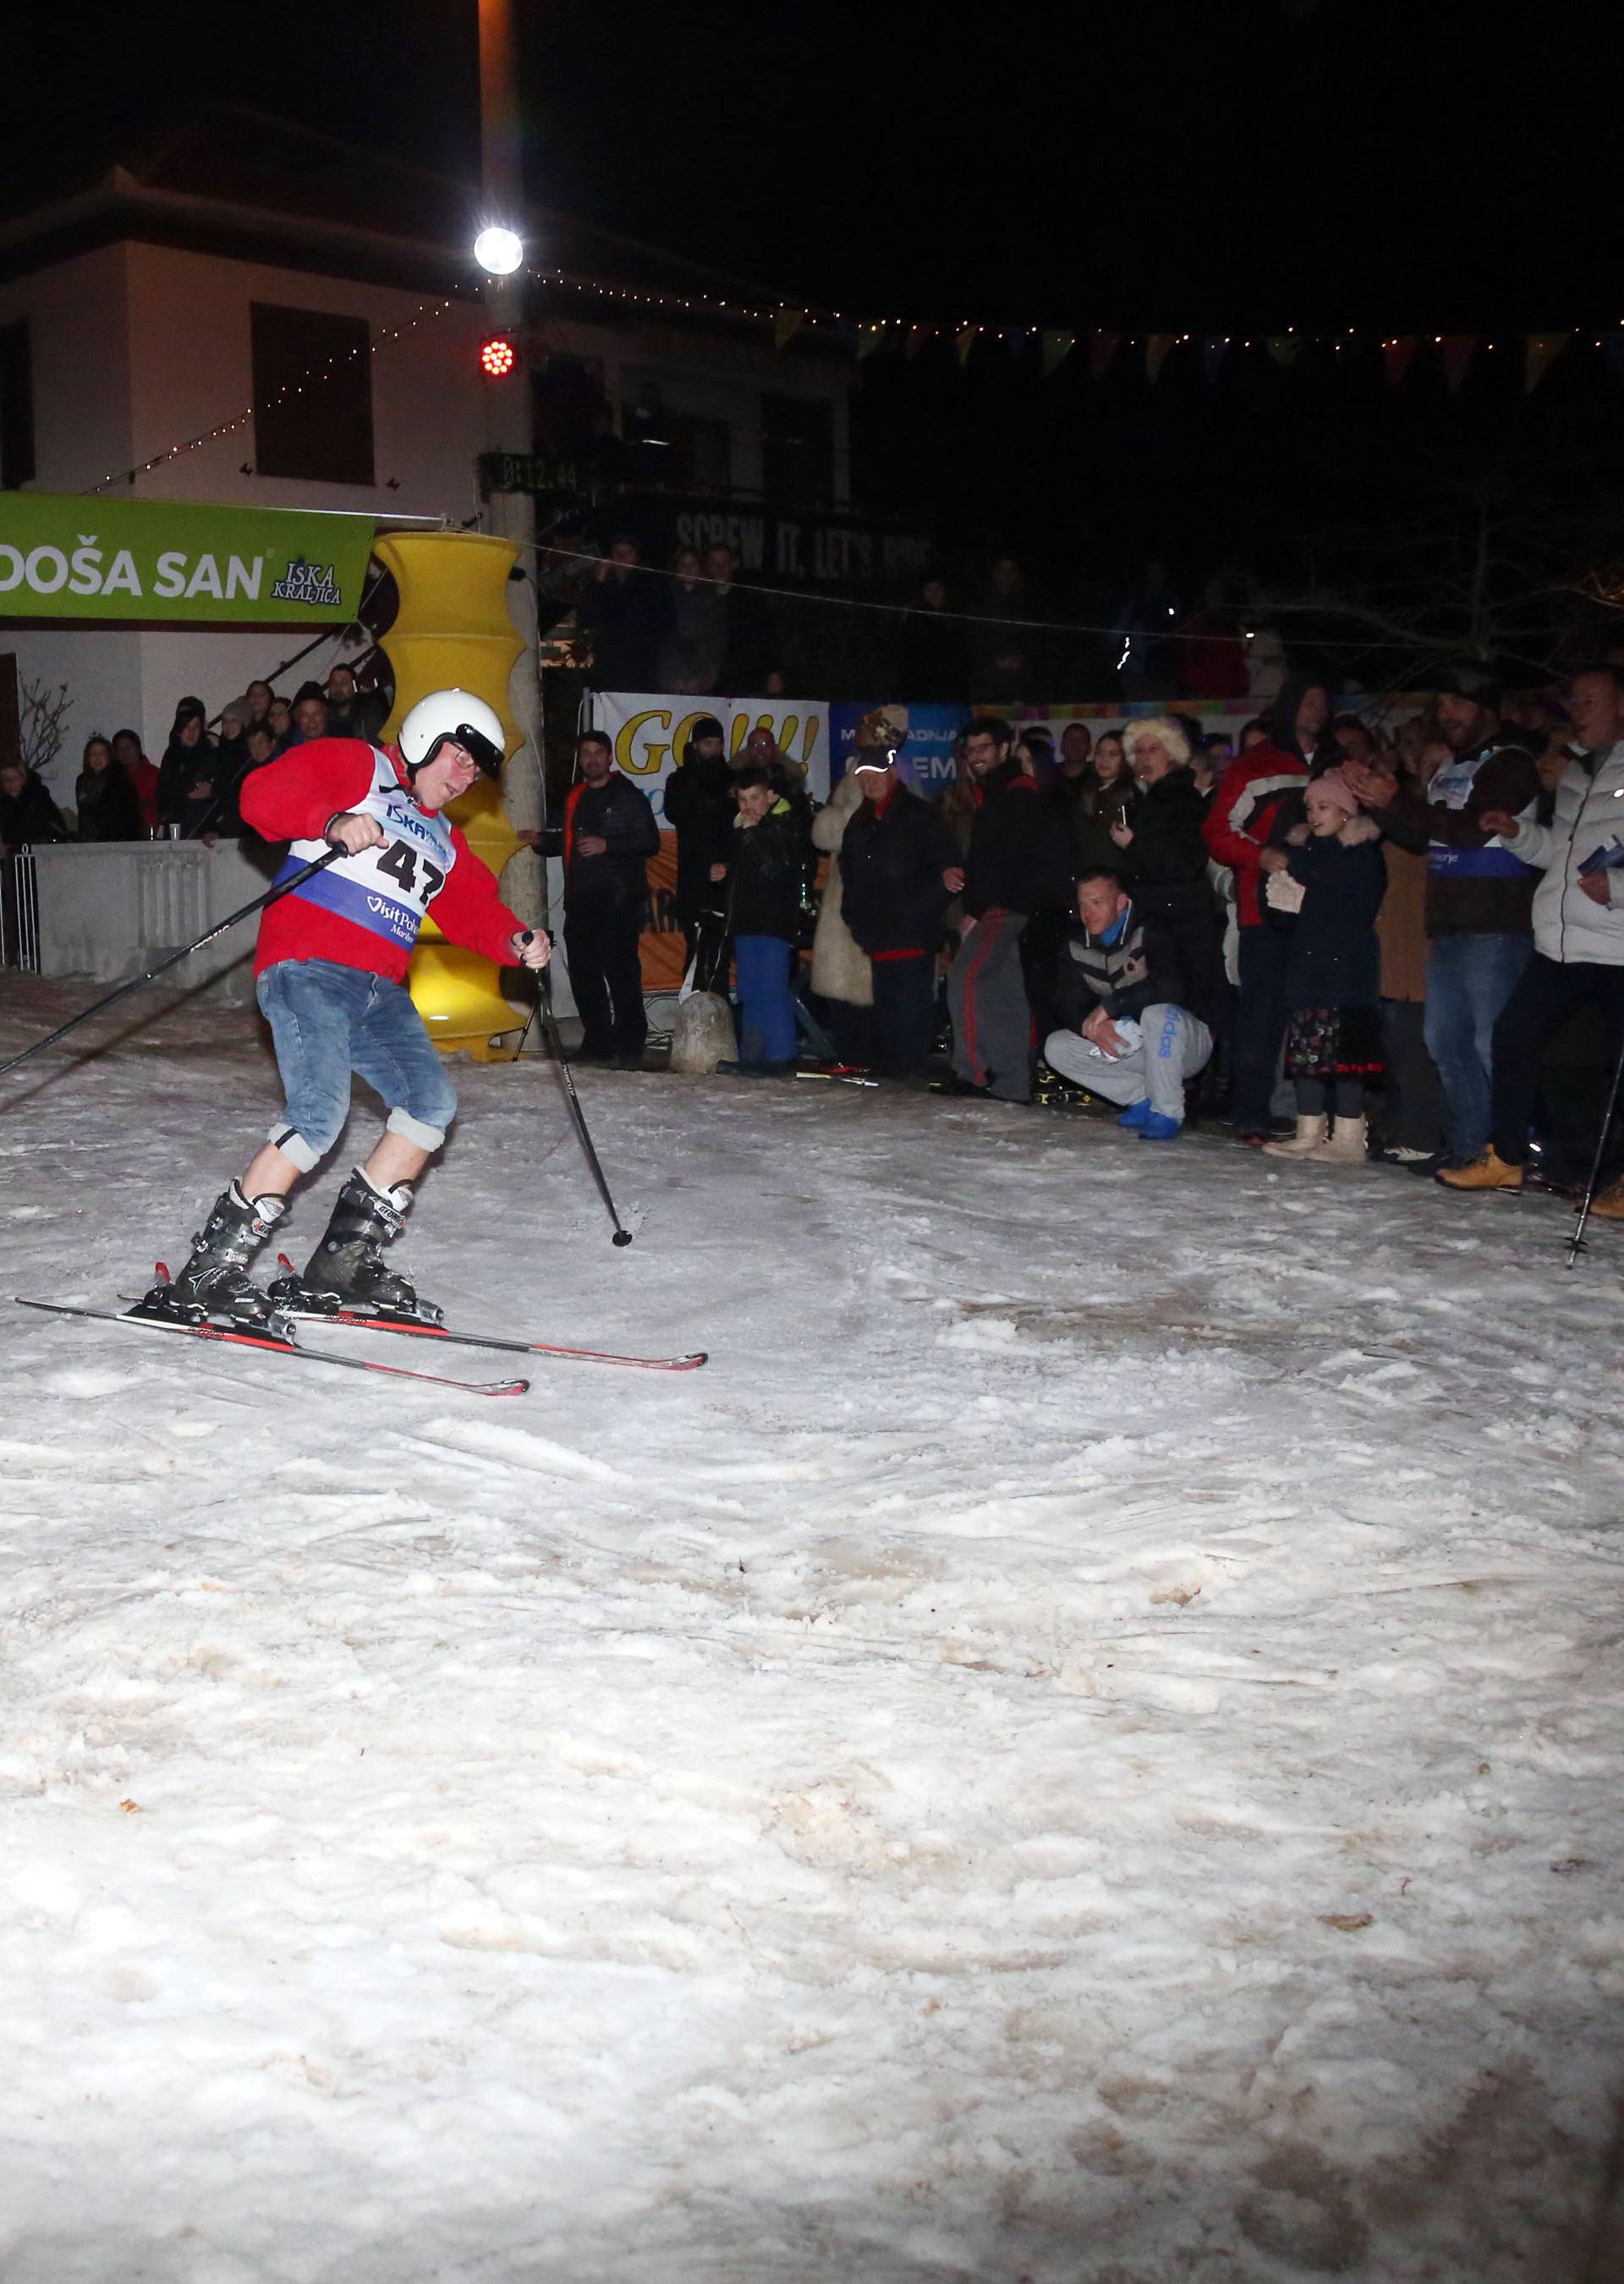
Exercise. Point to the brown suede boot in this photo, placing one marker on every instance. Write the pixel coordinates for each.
(1488, 1172)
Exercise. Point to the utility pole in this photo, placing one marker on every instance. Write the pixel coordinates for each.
(509, 426)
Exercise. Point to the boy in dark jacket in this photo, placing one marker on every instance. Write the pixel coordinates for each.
(767, 873)
(898, 868)
(1129, 1037)
(1019, 863)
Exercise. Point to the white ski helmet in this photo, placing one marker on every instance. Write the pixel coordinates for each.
(455, 715)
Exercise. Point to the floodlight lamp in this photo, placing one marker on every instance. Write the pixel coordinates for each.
(498, 250)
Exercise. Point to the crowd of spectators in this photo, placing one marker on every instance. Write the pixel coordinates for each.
(693, 626)
(1342, 940)
(191, 793)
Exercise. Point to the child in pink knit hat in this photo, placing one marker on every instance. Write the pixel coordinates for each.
(1334, 881)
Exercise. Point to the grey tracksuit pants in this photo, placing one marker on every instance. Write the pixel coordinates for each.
(1171, 1047)
(987, 998)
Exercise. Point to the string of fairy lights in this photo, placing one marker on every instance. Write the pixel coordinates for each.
(1101, 346)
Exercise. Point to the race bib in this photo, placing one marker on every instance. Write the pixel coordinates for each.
(386, 890)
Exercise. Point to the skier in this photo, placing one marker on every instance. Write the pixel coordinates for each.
(330, 967)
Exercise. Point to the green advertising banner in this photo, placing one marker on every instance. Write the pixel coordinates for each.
(63, 556)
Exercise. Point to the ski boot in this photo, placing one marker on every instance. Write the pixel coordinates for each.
(347, 1269)
(216, 1281)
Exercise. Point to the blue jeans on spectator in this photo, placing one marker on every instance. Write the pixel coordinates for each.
(766, 1009)
(1469, 979)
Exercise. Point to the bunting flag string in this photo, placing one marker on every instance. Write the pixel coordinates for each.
(788, 322)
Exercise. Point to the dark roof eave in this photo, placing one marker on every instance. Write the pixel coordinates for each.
(121, 207)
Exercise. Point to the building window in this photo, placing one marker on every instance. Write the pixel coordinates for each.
(312, 396)
(16, 406)
(701, 455)
(798, 449)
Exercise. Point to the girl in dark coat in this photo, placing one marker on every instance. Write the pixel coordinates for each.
(767, 874)
(108, 809)
(1336, 876)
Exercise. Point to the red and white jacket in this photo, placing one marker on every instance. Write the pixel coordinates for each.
(365, 912)
(1241, 813)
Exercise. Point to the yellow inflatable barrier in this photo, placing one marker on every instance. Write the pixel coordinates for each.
(453, 633)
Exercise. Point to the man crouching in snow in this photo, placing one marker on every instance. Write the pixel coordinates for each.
(1128, 1038)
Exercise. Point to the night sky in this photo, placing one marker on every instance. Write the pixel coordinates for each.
(1378, 164)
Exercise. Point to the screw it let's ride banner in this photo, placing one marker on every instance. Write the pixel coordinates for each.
(68, 557)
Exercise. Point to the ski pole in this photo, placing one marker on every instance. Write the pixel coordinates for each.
(1577, 1247)
(554, 1048)
(282, 889)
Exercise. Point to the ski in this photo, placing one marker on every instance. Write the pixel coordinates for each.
(267, 1344)
(359, 1321)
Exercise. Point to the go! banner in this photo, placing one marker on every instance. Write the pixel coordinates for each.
(649, 731)
(65, 556)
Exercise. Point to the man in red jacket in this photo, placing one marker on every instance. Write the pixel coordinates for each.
(1239, 831)
(330, 969)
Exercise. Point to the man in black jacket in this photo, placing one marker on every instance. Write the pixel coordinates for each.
(607, 837)
(898, 868)
(699, 804)
(1129, 1037)
(1020, 863)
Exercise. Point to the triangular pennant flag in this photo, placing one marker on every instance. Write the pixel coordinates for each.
(786, 324)
(1156, 349)
(1612, 352)
(869, 339)
(1540, 353)
(1458, 351)
(1057, 347)
(1282, 347)
(1396, 355)
(965, 338)
(1102, 347)
(917, 337)
(1214, 349)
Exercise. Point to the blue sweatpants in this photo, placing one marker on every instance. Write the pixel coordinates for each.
(766, 1010)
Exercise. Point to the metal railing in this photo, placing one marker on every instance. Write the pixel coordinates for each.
(19, 913)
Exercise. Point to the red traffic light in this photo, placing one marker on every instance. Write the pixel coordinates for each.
(498, 356)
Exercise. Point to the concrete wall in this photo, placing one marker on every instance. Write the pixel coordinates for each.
(190, 368)
(78, 314)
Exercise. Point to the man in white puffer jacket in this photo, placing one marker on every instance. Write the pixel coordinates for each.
(1578, 928)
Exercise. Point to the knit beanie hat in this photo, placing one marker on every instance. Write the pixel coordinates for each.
(1334, 787)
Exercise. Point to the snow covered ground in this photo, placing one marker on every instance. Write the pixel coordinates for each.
(1085, 1745)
